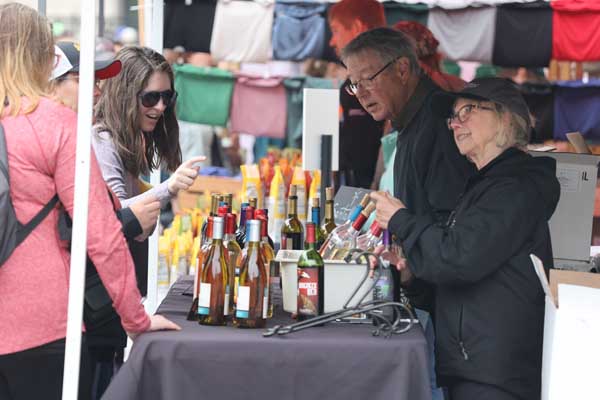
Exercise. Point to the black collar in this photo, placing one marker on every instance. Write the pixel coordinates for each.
(414, 104)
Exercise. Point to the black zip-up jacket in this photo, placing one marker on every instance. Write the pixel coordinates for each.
(429, 171)
(490, 303)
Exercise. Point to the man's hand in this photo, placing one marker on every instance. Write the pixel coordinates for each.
(386, 207)
(146, 211)
(184, 176)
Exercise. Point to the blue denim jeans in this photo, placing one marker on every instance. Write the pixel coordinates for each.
(425, 320)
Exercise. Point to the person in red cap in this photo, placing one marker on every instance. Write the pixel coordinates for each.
(106, 339)
(66, 73)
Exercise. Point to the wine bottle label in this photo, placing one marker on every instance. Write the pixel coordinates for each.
(265, 309)
(226, 307)
(204, 299)
(243, 302)
(308, 291)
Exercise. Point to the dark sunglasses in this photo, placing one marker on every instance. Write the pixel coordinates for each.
(150, 99)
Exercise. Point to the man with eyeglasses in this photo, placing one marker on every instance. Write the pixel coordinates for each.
(360, 134)
(429, 172)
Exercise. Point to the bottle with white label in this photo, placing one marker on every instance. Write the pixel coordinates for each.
(214, 282)
(253, 291)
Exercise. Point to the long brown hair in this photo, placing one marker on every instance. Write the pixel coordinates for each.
(118, 112)
(26, 56)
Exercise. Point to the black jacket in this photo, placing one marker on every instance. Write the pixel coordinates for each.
(429, 172)
(490, 304)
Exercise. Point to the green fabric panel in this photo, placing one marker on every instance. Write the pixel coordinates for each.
(204, 94)
(396, 12)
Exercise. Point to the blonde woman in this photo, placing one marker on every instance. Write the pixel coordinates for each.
(40, 142)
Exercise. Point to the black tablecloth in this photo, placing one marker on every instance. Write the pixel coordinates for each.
(336, 361)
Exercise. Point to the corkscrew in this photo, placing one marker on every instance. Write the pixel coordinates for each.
(403, 317)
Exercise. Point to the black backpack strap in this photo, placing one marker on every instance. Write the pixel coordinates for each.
(35, 221)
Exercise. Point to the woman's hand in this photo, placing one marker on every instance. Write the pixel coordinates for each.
(146, 211)
(158, 323)
(386, 207)
(184, 176)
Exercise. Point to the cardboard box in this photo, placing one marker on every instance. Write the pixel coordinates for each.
(340, 281)
(206, 185)
(571, 334)
(571, 223)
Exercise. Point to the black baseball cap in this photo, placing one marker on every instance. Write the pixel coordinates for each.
(498, 90)
(104, 68)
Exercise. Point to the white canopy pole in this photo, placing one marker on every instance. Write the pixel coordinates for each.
(80, 203)
(153, 22)
(42, 7)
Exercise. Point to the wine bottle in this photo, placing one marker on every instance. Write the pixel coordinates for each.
(253, 202)
(316, 219)
(229, 201)
(266, 248)
(292, 232)
(240, 233)
(310, 278)
(340, 230)
(235, 255)
(253, 290)
(368, 241)
(214, 282)
(385, 287)
(341, 242)
(214, 205)
(329, 221)
(202, 253)
(263, 215)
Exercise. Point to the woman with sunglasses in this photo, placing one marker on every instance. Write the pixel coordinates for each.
(489, 310)
(40, 136)
(137, 130)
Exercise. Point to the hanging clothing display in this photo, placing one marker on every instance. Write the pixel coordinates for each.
(466, 34)
(278, 68)
(258, 107)
(576, 107)
(575, 33)
(242, 31)
(204, 94)
(189, 25)
(299, 30)
(518, 26)
(396, 12)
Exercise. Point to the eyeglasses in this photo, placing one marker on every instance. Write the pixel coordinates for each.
(464, 113)
(150, 99)
(367, 83)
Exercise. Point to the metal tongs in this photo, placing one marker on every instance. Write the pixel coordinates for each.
(403, 316)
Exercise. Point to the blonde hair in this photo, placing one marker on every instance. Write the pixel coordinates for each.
(26, 56)
(514, 130)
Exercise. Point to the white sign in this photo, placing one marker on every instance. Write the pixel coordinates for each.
(320, 116)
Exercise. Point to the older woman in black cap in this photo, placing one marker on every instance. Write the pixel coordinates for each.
(490, 305)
